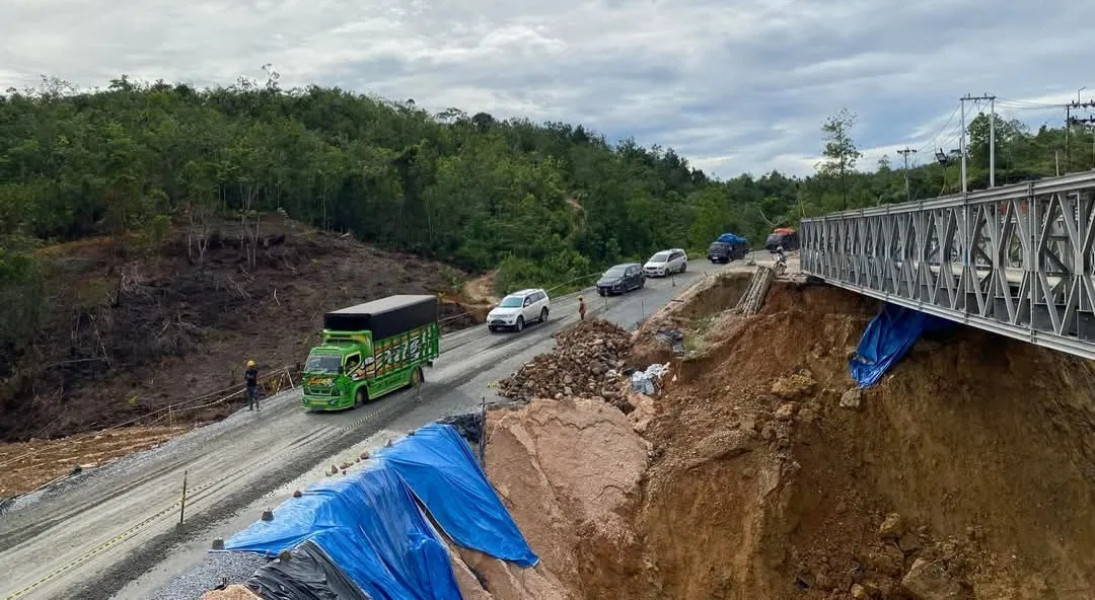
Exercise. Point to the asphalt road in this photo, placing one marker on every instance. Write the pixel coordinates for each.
(113, 532)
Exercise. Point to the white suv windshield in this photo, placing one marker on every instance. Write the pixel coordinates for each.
(660, 257)
(512, 302)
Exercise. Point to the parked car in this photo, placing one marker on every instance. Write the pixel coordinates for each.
(621, 279)
(666, 262)
(518, 309)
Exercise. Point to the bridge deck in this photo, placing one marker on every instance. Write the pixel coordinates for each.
(1020, 262)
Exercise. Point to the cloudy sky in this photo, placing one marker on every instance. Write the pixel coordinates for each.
(735, 85)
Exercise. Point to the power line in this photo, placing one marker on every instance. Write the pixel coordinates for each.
(1028, 105)
(941, 130)
(992, 138)
(947, 142)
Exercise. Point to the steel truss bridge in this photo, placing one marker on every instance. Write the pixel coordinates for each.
(1015, 260)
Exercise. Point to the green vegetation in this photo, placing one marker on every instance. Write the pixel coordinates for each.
(544, 203)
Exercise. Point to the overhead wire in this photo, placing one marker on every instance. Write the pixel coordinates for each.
(944, 143)
(1027, 105)
(942, 129)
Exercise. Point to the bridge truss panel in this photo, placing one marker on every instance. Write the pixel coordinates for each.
(1015, 260)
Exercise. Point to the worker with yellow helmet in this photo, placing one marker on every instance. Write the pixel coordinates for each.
(251, 376)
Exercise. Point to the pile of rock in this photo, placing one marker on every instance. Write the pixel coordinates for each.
(586, 362)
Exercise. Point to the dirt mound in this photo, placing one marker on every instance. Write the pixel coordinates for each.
(968, 472)
(127, 335)
(584, 363)
(694, 313)
(570, 472)
(232, 592)
(480, 291)
(483, 577)
(967, 437)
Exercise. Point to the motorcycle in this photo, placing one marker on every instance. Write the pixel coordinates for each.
(780, 266)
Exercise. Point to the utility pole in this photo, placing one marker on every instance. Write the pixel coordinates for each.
(1089, 121)
(992, 138)
(1078, 102)
(1070, 121)
(905, 152)
(992, 142)
(1068, 127)
(962, 143)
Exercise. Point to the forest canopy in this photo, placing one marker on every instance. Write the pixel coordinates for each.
(543, 201)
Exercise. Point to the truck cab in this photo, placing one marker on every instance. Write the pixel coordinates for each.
(370, 350)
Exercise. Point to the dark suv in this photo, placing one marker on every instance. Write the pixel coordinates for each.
(621, 279)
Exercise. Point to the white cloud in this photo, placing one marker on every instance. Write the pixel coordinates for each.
(734, 87)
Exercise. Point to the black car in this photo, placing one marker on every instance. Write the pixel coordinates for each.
(720, 252)
(621, 279)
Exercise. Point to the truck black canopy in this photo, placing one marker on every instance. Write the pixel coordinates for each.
(384, 317)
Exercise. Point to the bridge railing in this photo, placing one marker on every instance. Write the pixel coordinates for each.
(1016, 260)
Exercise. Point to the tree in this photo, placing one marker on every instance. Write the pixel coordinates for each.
(840, 151)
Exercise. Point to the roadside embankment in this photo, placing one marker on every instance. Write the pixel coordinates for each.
(762, 472)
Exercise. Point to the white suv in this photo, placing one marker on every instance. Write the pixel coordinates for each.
(518, 309)
(665, 262)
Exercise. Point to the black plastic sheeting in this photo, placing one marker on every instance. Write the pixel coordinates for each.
(385, 317)
(469, 426)
(309, 574)
(674, 338)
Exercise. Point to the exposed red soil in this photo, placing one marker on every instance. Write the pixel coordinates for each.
(26, 466)
(129, 336)
(968, 472)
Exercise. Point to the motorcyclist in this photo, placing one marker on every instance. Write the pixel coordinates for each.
(781, 259)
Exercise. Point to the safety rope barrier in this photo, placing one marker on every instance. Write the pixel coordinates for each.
(278, 377)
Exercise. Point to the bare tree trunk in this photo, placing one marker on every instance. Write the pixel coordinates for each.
(251, 229)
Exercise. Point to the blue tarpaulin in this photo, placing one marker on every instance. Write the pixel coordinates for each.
(371, 527)
(730, 238)
(888, 337)
(441, 469)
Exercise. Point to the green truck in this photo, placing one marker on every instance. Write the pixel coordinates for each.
(369, 350)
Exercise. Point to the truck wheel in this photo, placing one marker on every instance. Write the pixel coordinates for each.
(361, 397)
(520, 324)
(543, 314)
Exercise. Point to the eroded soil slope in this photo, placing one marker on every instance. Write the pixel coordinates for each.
(127, 334)
(975, 454)
(968, 472)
